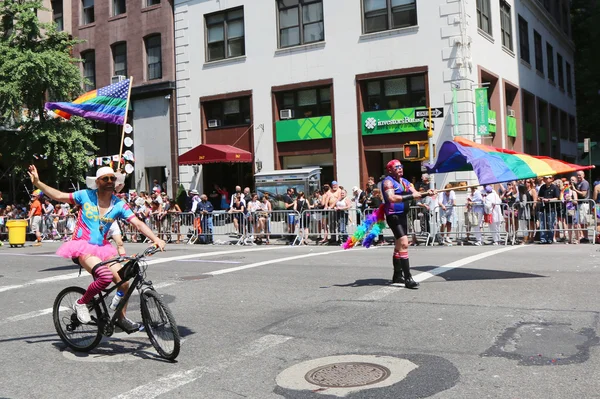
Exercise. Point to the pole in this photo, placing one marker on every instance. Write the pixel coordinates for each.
(125, 122)
(430, 144)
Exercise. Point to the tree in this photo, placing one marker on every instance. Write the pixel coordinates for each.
(585, 22)
(36, 65)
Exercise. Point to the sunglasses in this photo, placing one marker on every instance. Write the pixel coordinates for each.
(398, 167)
(108, 178)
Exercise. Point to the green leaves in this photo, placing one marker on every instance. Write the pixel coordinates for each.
(36, 67)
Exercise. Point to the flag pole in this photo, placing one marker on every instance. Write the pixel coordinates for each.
(125, 122)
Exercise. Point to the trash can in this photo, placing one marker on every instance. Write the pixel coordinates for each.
(17, 230)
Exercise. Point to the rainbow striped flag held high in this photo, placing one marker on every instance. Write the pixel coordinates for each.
(108, 104)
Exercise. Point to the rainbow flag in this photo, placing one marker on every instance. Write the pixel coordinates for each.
(496, 165)
(107, 104)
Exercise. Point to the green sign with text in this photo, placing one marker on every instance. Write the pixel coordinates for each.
(392, 121)
(303, 129)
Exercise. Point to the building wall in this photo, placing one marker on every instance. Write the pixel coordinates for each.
(446, 43)
(154, 125)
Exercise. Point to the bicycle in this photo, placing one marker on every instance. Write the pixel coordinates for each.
(157, 319)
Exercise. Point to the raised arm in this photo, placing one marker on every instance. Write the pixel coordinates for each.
(53, 193)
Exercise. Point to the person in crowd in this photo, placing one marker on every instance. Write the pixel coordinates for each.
(582, 189)
(547, 196)
(289, 202)
(399, 191)
(237, 210)
(509, 197)
(370, 184)
(316, 203)
(342, 206)
(35, 216)
(156, 185)
(247, 195)
(325, 214)
(423, 207)
(475, 213)
(301, 206)
(359, 199)
(446, 202)
(333, 196)
(492, 205)
(238, 191)
(204, 209)
(174, 215)
(265, 212)
(529, 201)
(374, 202)
(569, 198)
(254, 220)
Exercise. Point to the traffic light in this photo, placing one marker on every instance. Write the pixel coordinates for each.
(413, 152)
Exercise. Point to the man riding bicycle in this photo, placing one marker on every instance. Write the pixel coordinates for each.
(99, 209)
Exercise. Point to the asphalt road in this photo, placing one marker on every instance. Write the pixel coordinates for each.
(486, 322)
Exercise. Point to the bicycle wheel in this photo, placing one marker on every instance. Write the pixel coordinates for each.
(80, 337)
(160, 325)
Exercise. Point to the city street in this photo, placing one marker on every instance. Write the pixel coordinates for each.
(260, 322)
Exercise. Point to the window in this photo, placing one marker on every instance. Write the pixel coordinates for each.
(57, 14)
(153, 57)
(569, 79)
(89, 70)
(233, 112)
(561, 74)
(119, 7)
(506, 25)
(87, 12)
(483, 16)
(225, 34)
(120, 59)
(395, 93)
(306, 103)
(550, 57)
(300, 22)
(524, 39)
(380, 15)
(149, 3)
(539, 57)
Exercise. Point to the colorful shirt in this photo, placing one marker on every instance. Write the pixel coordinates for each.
(92, 227)
(400, 188)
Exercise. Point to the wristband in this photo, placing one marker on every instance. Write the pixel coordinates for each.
(407, 197)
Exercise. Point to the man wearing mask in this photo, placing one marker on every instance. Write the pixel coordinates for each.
(204, 209)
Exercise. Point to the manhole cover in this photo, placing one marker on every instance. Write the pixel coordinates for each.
(200, 277)
(346, 375)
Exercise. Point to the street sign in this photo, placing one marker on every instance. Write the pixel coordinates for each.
(424, 113)
(426, 124)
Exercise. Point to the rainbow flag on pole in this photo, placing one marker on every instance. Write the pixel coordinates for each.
(496, 165)
(108, 104)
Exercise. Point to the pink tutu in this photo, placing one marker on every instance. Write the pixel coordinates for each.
(76, 248)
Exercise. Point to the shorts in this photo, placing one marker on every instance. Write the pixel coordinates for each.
(584, 211)
(36, 224)
(291, 217)
(446, 217)
(398, 224)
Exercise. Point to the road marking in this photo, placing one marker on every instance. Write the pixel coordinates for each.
(385, 291)
(20, 254)
(176, 380)
(268, 262)
(151, 262)
(41, 281)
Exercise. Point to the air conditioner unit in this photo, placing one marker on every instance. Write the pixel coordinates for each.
(214, 123)
(286, 114)
(511, 113)
(117, 78)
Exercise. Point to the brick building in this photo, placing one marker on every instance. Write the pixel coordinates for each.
(133, 38)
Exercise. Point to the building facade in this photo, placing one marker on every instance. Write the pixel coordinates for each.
(134, 38)
(341, 85)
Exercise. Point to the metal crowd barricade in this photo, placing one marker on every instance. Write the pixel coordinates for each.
(327, 225)
(556, 221)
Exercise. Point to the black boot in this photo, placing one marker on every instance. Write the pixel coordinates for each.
(397, 278)
(408, 280)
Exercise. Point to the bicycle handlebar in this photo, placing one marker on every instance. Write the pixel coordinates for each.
(151, 250)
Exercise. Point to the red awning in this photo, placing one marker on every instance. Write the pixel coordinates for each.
(214, 153)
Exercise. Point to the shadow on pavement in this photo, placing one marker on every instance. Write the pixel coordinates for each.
(468, 274)
(59, 268)
(365, 283)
